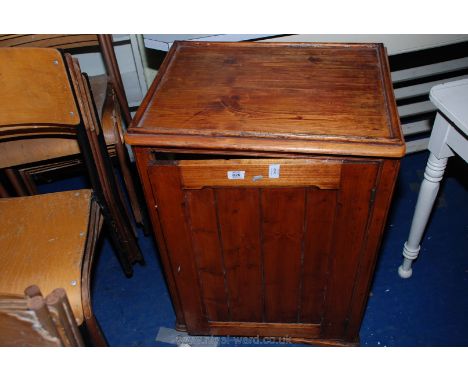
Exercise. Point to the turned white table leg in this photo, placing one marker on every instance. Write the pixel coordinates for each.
(429, 188)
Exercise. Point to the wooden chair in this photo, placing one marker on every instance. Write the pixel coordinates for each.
(32, 320)
(48, 241)
(75, 42)
(111, 104)
(44, 97)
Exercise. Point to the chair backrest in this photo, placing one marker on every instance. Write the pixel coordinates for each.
(34, 91)
(59, 41)
(73, 42)
(39, 96)
(36, 321)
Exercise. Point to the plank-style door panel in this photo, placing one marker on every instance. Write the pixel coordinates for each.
(319, 230)
(239, 225)
(282, 238)
(263, 253)
(207, 249)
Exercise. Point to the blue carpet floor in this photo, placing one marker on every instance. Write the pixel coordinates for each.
(429, 309)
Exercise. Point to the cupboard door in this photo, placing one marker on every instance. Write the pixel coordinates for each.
(267, 247)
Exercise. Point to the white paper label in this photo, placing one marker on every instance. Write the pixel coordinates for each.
(274, 171)
(236, 174)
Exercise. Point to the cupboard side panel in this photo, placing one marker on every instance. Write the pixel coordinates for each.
(143, 159)
(384, 192)
(357, 181)
(282, 238)
(207, 249)
(239, 225)
(170, 198)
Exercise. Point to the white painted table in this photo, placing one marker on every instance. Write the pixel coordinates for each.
(449, 137)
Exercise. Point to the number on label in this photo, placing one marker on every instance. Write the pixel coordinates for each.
(236, 174)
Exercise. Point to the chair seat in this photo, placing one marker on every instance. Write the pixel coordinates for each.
(50, 256)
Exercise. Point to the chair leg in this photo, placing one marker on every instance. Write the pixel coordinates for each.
(119, 243)
(135, 195)
(90, 323)
(135, 201)
(100, 170)
(57, 302)
(95, 333)
(127, 177)
(110, 60)
(125, 231)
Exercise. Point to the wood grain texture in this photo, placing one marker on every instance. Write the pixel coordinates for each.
(387, 179)
(37, 92)
(43, 97)
(243, 93)
(96, 220)
(267, 146)
(265, 329)
(294, 254)
(170, 200)
(306, 172)
(268, 255)
(26, 321)
(208, 254)
(318, 244)
(49, 257)
(20, 146)
(143, 159)
(58, 41)
(282, 237)
(73, 42)
(239, 226)
(352, 216)
(21, 152)
(100, 170)
(31, 320)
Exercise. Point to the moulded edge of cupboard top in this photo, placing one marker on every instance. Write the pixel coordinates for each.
(304, 98)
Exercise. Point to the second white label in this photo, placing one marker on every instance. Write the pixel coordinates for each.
(274, 171)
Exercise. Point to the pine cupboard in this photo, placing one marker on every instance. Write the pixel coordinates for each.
(268, 170)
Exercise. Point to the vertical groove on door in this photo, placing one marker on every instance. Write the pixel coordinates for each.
(301, 276)
(262, 255)
(218, 229)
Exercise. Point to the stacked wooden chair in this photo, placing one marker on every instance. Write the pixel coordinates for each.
(32, 320)
(76, 43)
(44, 96)
(47, 243)
(112, 109)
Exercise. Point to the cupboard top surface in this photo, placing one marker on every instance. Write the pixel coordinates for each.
(272, 97)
